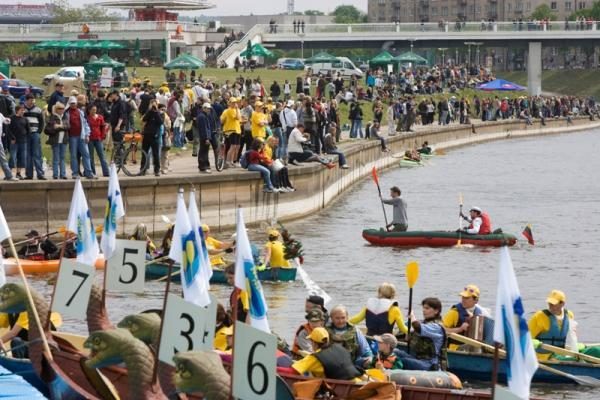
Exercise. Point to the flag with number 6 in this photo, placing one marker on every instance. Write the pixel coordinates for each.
(114, 210)
(80, 223)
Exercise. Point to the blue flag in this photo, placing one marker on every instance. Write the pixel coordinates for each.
(80, 223)
(114, 210)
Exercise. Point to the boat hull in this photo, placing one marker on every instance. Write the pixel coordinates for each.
(39, 267)
(160, 270)
(435, 239)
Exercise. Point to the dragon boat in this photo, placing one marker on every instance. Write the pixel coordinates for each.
(380, 237)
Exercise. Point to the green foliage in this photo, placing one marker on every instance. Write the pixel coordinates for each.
(543, 11)
(313, 12)
(348, 15)
(64, 13)
(593, 12)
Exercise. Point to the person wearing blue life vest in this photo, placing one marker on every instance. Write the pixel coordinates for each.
(458, 318)
(551, 326)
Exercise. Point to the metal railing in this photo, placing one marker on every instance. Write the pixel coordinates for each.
(238, 46)
(94, 27)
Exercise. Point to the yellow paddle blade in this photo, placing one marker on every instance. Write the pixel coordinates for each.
(62, 229)
(377, 374)
(412, 273)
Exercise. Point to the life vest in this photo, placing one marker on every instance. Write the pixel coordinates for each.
(463, 316)
(555, 336)
(486, 225)
(348, 339)
(423, 348)
(337, 363)
(295, 347)
(377, 316)
(389, 361)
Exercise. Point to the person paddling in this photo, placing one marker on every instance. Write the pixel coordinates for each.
(400, 221)
(552, 325)
(479, 222)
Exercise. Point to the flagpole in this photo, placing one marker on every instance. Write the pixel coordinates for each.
(36, 316)
(234, 311)
(162, 321)
(495, 367)
(60, 258)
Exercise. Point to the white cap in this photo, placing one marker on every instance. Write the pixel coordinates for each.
(72, 100)
(290, 103)
(206, 105)
(475, 208)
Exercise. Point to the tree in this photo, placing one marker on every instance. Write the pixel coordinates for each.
(348, 15)
(313, 12)
(593, 13)
(543, 11)
(63, 13)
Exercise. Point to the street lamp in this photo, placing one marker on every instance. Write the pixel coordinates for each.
(301, 35)
(469, 44)
(443, 50)
(412, 43)
(477, 44)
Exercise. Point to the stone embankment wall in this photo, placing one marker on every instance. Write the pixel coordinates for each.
(44, 205)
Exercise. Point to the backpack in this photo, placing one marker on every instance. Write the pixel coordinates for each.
(244, 162)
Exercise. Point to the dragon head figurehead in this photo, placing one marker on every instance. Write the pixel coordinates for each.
(13, 298)
(144, 327)
(107, 347)
(201, 371)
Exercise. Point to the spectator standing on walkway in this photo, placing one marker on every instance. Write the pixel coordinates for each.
(97, 136)
(167, 139)
(153, 128)
(57, 96)
(78, 132)
(35, 116)
(8, 176)
(56, 130)
(205, 135)
(289, 120)
(18, 135)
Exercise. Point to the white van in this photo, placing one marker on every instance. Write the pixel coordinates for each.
(344, 66)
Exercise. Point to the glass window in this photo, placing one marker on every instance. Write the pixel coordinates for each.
(553, 6)
(568, 6)
(444, 11)
(434, 11)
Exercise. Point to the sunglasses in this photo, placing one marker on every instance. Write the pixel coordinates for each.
(470, 290)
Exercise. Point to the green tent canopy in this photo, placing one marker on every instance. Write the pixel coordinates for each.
(257, 50)
(77, 45)
(184, 61)
(321, 57)
(105, 61)
(5, 68)
(410, 57)
(382, 58)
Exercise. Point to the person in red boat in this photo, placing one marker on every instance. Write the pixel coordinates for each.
(479, 222)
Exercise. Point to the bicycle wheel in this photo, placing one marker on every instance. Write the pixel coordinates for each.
(130, 168)
(116, 156)
(220, 161)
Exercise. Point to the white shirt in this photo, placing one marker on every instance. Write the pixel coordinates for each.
(288, 117)
(476, 225)
(295, 141)
(162, 98)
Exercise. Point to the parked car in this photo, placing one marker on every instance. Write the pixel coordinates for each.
(291, 63)
(65, 74)
(19, 87)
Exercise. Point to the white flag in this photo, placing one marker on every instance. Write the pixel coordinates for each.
(511, 330)
(114, 210)
(246, 277)
(80, 222)
(196, 277)
(4, 231)
(2, 274)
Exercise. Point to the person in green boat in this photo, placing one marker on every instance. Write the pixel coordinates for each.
(479, 222)
(400, 219)
(425, 148)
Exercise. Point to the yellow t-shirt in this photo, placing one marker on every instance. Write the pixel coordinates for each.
(258, 130)
(214, 244)
(277, 255)
(451, 318)
(191, 96)
(540, 323)
(220, 342)
(23, 320)
(268, 152)
(310, 365)
(394, 315)
(230, 119)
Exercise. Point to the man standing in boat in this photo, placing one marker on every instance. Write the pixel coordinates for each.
(479, 222)
(400, 220)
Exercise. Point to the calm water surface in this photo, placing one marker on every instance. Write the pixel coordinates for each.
(548, 182)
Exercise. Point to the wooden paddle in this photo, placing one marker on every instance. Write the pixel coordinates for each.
(460, 202)
(163, 278)
(565, 352)
(579, 379)
(412, 274)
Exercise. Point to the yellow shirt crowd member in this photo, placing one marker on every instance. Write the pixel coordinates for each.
(221, 335)
(277, 259)
(23, 320)
(214, 244)
(394, 316)
(540, 323)
(165, 87)
(231, 120)
(259, 122)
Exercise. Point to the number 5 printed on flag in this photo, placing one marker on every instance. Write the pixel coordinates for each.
(126, 268)
(73, 288)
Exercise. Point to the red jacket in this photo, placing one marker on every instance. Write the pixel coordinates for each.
(96, 127)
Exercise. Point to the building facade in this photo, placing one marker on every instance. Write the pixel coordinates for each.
(466, 10)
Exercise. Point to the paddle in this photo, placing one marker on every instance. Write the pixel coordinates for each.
(412, 274)
(579, 379)
(460, 218)
(565, 352)
(61, 230)
(376, 179)
(310, 285)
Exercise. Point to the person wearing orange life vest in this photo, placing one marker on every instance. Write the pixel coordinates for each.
(315, 318)
(479, 222)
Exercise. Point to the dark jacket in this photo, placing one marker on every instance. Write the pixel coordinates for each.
(118, 111)
(337, 363)
(203, 124)
(18, 129)
(53, 131)
(152, 123)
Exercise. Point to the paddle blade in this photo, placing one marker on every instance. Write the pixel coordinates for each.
(62, 230)
(528, 235)
(377, 374)
(412, 273)
(375, 177)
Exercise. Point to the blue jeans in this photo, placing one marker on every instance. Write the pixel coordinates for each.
(34, 156)
(18, 153)
(58, 160)
(4, 163)
(285, 138)
(278, 134)
(341, 156)
(356, 128)
(266, 174)
(98, 146)
(412, 363)
(78, 147)
(178, 140)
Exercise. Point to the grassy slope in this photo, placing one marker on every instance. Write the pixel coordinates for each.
(570, 82)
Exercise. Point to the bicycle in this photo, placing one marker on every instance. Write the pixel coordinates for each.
(125, 156)
(220, 154)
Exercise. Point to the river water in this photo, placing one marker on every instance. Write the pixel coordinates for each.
(549, 182)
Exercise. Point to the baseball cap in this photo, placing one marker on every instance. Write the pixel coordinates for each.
(315, 315)
(475, 208)
(205, 228)
(387, 338)
(72, 100)
(319, 335)
(556, 296)
(470, 291)
(32, 233)
(206, 105)
(258, 104)
(289, 103)
(273, 232)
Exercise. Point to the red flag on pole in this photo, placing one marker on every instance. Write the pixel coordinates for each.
(375, 177)
(528, 234)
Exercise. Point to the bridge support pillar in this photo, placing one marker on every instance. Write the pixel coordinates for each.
(534, 69)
